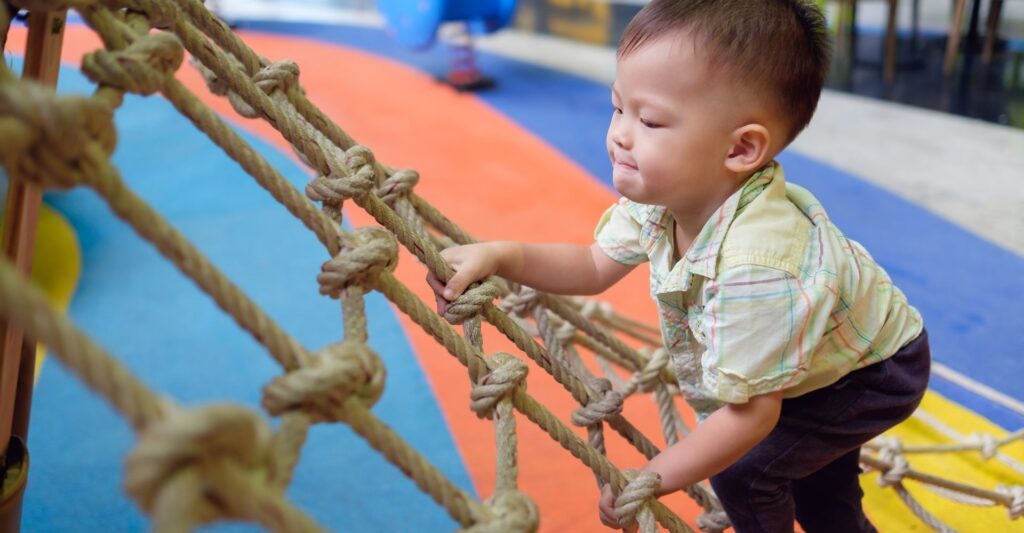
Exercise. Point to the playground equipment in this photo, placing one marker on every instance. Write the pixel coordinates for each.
(418, 24)
(198, 465)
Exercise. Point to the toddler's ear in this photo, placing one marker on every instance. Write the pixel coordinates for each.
(750, 149)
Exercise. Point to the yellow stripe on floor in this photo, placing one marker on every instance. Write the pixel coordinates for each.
(887, 510)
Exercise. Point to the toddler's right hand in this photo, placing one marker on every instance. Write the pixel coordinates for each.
(472, 262)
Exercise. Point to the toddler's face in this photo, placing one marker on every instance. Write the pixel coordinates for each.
(670, 128)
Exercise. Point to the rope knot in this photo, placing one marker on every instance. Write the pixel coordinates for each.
(352, 179)
(1016, 493)
(216, 85)
(339, 372)
(143, 67)
(520, 303)
(713, 521)
(889, 447)
(196, 463)
(514, 512)
(372, 251)
(280, 76)
(895, 474)
(607, 402)
(508, 372)
(987, 445)
(397, 185)
(160, 14)
(222, 87)
(358, 157)
(52, 140)
(470, 303)
(640, 488)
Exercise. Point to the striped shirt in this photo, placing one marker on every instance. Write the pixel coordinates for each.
(770, 296)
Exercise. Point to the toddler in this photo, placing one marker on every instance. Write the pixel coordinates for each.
(788, 340)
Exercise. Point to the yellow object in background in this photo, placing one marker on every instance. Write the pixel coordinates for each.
(57, 263)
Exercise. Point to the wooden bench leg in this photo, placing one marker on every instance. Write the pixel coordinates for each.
(889, 63)
(991, 29)
(953, 41)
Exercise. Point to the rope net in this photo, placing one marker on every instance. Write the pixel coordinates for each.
(195, 466)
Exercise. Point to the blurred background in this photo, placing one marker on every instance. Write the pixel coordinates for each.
(980, 77)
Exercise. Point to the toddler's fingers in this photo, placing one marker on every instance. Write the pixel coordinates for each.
(435, 284)
(438, 287)
(608, 517)
(458, 283)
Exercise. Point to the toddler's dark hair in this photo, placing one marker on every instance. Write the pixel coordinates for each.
(780, 47)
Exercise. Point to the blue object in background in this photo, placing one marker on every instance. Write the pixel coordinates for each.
(414, 23)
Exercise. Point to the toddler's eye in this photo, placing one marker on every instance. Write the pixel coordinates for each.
(616, 110)
(649, 124)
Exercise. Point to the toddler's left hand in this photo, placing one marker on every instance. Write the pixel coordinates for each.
(607, 510)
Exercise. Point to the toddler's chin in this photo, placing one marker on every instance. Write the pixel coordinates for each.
(627, 187)
(620, 182)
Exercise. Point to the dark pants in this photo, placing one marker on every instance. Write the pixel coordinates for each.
(807, 468)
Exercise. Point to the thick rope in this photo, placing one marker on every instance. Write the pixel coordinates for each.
(631, 503)
(988, 445)
(369, 252)
(118, 34)
(474, 361)
(433, 485)
(228, 40)
(320, 390)
(373, 206)
(513, 511)
(196, 467)
(185, 460)
(144, 67)
(896, 468)
(244, 87)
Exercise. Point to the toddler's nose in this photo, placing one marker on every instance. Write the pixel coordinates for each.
(620, 136)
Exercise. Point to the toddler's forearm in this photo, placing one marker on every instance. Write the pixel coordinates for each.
(719, 441)
(555, 268)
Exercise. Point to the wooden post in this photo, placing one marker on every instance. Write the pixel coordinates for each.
(42, 63)
(953, 40)
(891, 44)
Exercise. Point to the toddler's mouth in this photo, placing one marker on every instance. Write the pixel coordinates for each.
(625, 165)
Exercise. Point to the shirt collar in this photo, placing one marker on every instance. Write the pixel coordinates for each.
(702, 257)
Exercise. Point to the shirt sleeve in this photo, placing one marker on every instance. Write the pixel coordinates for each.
(761, 327)
(618, 234)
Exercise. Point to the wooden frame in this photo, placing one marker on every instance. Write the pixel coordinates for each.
(17, 354)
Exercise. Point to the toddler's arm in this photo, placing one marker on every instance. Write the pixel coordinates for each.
(727, 435)
(555, 268)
